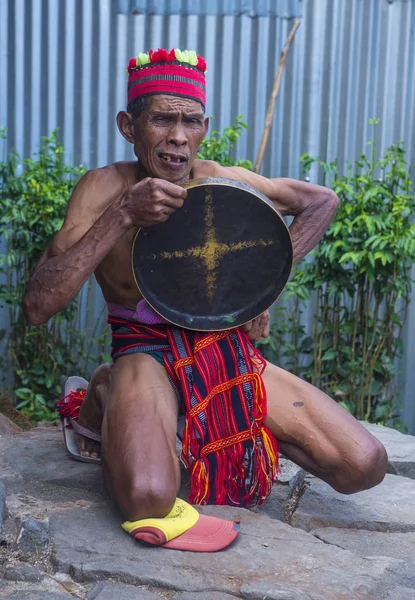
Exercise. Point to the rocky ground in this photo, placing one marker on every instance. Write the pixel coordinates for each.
(61, 539)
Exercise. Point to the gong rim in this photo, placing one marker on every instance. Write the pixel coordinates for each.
(220, 181)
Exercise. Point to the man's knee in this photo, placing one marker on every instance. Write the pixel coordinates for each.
(146, 499)
(366, 469)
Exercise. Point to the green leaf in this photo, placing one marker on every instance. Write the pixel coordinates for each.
(24, 393)
(22, 404)
(306, 344)
(330, 354)
(381, 411)
(49, 381)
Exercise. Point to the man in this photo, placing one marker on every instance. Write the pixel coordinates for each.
(132, 404)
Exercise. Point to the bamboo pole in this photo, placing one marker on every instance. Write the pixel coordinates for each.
(274, 95)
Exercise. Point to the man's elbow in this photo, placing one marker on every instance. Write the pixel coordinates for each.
(331, 201)
(32, 313)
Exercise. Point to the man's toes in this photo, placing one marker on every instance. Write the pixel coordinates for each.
(88, 454)
(87, 448)
(96, 452)
(92, 452)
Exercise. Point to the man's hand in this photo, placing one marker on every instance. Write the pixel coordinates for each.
(152, 201)
(258, 328)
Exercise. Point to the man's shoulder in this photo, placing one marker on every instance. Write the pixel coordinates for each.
(115, 173)
(210, 168)
(96, 190)
(205, 168)
(104, 182)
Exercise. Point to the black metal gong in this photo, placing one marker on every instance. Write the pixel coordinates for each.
(219, 261)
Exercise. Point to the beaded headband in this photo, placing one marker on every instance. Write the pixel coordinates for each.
(176, 73)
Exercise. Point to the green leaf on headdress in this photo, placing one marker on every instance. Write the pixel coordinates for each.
(142, 59)
(188, 56)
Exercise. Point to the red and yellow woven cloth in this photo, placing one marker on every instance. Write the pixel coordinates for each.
(231, 455)
(177, 73)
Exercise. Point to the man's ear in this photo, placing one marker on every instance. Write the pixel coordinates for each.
(206, 124)
(125, 124)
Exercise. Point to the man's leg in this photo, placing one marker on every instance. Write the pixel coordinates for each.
(93, 409)
(139, 429)
(320, 436)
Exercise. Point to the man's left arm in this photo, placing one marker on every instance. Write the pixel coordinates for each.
(312, 206)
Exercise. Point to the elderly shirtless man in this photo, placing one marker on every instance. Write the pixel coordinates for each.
(132, 403)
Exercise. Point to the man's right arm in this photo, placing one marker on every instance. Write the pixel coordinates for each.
(101, 210)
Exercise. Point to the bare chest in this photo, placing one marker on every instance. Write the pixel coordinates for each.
(115, 273)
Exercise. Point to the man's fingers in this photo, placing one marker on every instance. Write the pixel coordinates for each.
(247, 327)
(266, 330)
(265, 324)
(176, 191)
(258, 327)
(167, 211)
(171, 202)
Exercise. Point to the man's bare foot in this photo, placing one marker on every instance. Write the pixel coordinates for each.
(93, 409)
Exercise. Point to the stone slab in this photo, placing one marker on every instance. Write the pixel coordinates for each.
(400, 593)
(3, 511)
(370, 543)
(203, 596)
(269, 559)
(399, 446)
(91, 545)
(34, 535)
(275, 503)
(259, 591)
(387, 507)
(287, 471)
(23, 572)
(37, 595)
(7, 427)
(105, 590)
(37, 463)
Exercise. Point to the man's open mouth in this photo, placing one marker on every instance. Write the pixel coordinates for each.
(173, 158)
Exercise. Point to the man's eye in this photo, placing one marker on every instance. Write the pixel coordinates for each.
(161, 119)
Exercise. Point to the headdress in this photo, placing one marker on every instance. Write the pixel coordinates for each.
(176, 73)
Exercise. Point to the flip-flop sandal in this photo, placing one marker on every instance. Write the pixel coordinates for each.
(185, 529)
(68, 407)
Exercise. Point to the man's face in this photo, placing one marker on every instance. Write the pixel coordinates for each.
(168, 135)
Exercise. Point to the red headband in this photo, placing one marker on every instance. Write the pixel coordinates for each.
(165, 74)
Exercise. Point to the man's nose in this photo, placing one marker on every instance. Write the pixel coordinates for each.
(177, 135)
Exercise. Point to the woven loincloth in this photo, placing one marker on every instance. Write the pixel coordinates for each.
(231, 455)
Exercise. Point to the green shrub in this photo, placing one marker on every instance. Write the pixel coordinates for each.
(218, 145)
(33, 199)
(360, 275)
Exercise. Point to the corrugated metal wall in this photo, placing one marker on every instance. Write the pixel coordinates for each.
(62, 64)
(252, 8)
